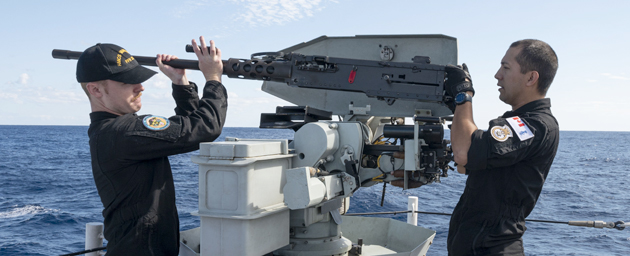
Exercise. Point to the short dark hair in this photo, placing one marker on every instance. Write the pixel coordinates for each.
(537, 56)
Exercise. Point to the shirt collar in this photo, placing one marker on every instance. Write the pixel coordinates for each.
(537, 105)
(101, 115)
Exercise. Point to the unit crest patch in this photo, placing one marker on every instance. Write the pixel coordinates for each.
(501, 133)
(156, 123)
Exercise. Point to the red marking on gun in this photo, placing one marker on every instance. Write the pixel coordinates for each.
(353, 73)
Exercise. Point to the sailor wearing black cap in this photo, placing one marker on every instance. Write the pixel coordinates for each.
(130, 152)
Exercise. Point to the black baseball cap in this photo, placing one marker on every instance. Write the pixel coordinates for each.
(110, 61)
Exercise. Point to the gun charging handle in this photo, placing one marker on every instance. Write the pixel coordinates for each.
(189, 48)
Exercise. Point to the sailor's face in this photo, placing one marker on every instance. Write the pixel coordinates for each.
(511, 81)
(123, 98)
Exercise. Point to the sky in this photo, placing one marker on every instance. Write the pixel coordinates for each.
(590, 38)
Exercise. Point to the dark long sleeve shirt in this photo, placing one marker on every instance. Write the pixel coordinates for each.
(132, 172)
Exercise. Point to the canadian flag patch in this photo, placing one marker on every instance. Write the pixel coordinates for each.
(520, 128)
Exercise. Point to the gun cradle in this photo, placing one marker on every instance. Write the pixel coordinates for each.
(334, 147)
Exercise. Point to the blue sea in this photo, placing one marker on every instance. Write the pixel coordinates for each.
(47, 193)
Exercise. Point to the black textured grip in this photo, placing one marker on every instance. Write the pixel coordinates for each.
(189, 48)
(65, 54)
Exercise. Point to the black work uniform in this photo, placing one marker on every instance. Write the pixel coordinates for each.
(132, 172)
(507, 166)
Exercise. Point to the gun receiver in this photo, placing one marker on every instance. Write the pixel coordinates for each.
(389, 81)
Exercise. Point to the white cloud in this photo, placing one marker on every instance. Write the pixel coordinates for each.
(43, 117)
(252, 13)
(189, 7)
(159, 96)
(260, 12)
(7, 95)
(245, 111)
(160, 81)
(20, 95)
(54, 96)
(618, 77)
(277, 12)
(258, 103)
(23, 79)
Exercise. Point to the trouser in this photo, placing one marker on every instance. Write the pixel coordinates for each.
(152, 234)
(494, 236)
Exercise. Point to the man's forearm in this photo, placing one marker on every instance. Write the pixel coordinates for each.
(462, 129)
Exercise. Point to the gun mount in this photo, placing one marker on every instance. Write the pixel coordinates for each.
(372, 83)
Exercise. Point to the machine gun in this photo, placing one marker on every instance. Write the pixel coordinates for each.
(384, 80)
(314, 175)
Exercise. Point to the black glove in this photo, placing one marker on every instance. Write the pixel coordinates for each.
(456, 80)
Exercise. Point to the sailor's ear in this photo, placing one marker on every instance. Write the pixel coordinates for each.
(532, 78)
(95, 89)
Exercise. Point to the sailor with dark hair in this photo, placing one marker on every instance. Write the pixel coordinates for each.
(537, 55)
(506, 165)
(130, 152)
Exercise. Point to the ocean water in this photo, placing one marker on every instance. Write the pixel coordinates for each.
(47, 193)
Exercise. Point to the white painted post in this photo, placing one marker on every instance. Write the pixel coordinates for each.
(93, 237)
(412, 205)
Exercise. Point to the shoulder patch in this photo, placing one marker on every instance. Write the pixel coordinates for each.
(156, 123)
(501, 133)
(520, 128)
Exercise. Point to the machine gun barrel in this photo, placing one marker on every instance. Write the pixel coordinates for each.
(238, 68)
(145, 61)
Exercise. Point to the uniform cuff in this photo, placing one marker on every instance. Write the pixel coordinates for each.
(184, 91)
